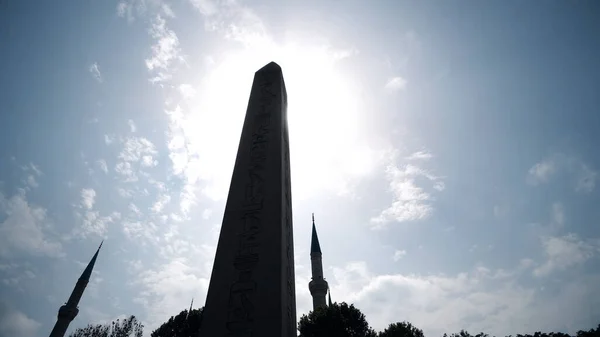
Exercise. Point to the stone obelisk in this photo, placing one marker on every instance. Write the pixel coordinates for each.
(252, 290)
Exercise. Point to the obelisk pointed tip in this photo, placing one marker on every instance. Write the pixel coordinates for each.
(271, 67)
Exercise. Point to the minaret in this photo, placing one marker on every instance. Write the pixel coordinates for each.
(69, 310)
(318, 286)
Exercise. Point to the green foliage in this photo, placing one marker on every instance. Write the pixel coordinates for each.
(337, 320)
(182, 325)
(401, 329)
(128, 327)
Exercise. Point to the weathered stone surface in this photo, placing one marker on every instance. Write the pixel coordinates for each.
(251, 290)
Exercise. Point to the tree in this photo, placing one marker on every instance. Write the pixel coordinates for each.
(401, 329)
(182, 325)
(128, 327)
(337, 320)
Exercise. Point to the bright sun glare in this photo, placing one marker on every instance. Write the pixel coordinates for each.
(327, 148)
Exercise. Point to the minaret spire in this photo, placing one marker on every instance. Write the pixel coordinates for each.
(317, 286)
(189, 311)
(69, 310)
(329, 294)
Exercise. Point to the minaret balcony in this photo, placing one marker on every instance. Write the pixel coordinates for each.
(318, 286)
(67, 312)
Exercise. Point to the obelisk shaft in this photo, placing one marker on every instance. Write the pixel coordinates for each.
(252, 289)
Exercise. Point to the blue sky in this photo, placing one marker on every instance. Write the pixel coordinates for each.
(447, 149)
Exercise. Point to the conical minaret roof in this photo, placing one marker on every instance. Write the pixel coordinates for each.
(314, 242)
(87, 273)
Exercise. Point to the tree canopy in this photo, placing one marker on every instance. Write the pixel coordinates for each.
(337, 320)
(401, 329)
(182, 325)
(128, 327)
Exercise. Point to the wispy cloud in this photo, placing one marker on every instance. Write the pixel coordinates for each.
(558, 214)
(187, 91)
(396, 83)
(16, 323)
(159, 205)
(109, 139)
(541, 172)
(33, 172)
(135, 148)
(474, 300)
(410, 201)
(24, 228)
(92, 223)
(88, 197)
(31, 181)
(168, 287)
(95, 71)
(102, 165)
(585, 177)
(165, 49)
(564, 252)
(206, 7)
(399, 254)
(132, 126)
(420, 155)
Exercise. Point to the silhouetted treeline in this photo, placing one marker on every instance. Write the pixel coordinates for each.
(186, 323)
(128, 327)
(337, 320)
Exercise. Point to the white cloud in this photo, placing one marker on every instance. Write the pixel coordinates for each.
(159, 205)
(135, 265)
(134, 148)
(102, 165)
(187, 91)
(23, 228)
(129, 9)
(420, 155)
(109, 139)
(95, 71)
(168, 288)
(479, 300)
(122, 8)
(586, 179)
(33, 172)
(399, 254)
(135, 210)
(125, 170)
(148, 161)
(541, 172)
(31, 181)
(410, 201)
(132, 126)
(88, 197)
(16, 323)
(396, 83)
(166, 48)
(124, 193)
(94, 224)
(564, 252)
(35, 169)
(558, 214)
(206, 7)
(167, 10)
(206, 213)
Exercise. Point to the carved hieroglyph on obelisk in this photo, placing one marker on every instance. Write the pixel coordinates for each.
(251, 290)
